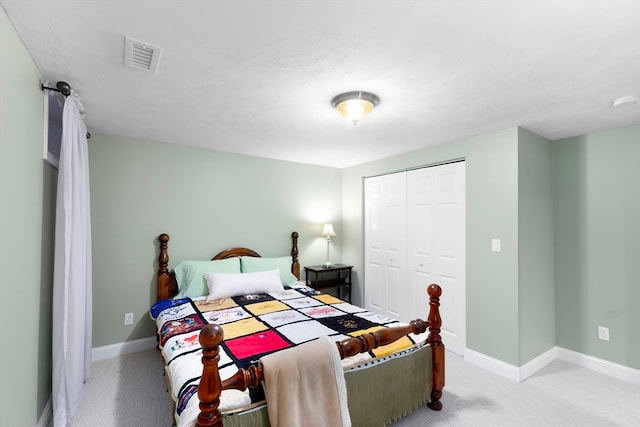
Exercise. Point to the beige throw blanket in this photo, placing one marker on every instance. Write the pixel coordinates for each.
(305, 386)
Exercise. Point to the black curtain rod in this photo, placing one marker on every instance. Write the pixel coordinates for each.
(64, 88)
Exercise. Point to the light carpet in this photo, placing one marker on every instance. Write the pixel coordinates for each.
(129, 391)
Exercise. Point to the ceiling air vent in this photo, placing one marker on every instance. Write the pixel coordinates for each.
(141, 56)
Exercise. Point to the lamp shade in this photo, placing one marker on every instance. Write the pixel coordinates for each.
(328, 230)
(355, 106)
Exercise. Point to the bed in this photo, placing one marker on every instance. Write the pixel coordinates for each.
(213, 343)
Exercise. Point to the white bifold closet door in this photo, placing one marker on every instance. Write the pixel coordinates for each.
(386, 290)
(415, 236)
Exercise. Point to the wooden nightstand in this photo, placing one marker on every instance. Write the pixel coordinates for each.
(338, 276)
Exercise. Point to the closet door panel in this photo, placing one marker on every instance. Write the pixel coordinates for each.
(375, 288)
(385, 244)
(374, 244)
(395, 292)
(450, 311)
(436, 212)
(420, 253)
(396, 286)
(375, 296)
(420, 304)
(421, 213)
(447, 234)
(414, 236)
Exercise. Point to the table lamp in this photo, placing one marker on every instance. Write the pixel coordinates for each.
(328, 232)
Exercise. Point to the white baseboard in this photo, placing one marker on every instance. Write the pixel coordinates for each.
(612, 369)
(492, 365)
(47, 412)
(536, 364)
(115, 350)
(519, 374)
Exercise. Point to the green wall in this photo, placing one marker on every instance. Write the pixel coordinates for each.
(597, 243)
(25, 222)
(536, 281)
(566, 212)
(206, 201)
(491, 212)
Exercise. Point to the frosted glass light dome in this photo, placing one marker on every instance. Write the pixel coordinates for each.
(355, 106)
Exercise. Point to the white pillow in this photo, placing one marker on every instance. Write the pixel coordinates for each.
(249, 264)
(223, 285)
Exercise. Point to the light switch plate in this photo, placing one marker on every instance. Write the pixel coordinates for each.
(496, 245)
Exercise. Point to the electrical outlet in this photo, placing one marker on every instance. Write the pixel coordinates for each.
(603, 333)
(128, 318)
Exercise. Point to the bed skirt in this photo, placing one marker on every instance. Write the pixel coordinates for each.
(393, 389)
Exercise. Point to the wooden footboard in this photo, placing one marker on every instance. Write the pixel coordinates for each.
(211, 337)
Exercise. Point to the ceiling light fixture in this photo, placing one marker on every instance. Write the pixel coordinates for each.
(354, 106)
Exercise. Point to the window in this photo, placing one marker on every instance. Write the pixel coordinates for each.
(52, 135)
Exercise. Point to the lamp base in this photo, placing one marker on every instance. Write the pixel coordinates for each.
(327, 264)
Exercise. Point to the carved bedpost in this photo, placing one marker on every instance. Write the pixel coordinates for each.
(295, 266)
(437, 348)
(163, 268)
(210, 387)
(372, 340)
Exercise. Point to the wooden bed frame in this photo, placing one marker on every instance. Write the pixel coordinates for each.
(167, 284)
(211, 336)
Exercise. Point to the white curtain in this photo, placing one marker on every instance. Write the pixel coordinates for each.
(72, 304)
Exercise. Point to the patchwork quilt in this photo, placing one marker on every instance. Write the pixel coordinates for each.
(254, 326)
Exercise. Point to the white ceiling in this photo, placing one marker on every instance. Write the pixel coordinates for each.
(256, 77)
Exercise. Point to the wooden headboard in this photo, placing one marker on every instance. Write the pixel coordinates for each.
(167, 285)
